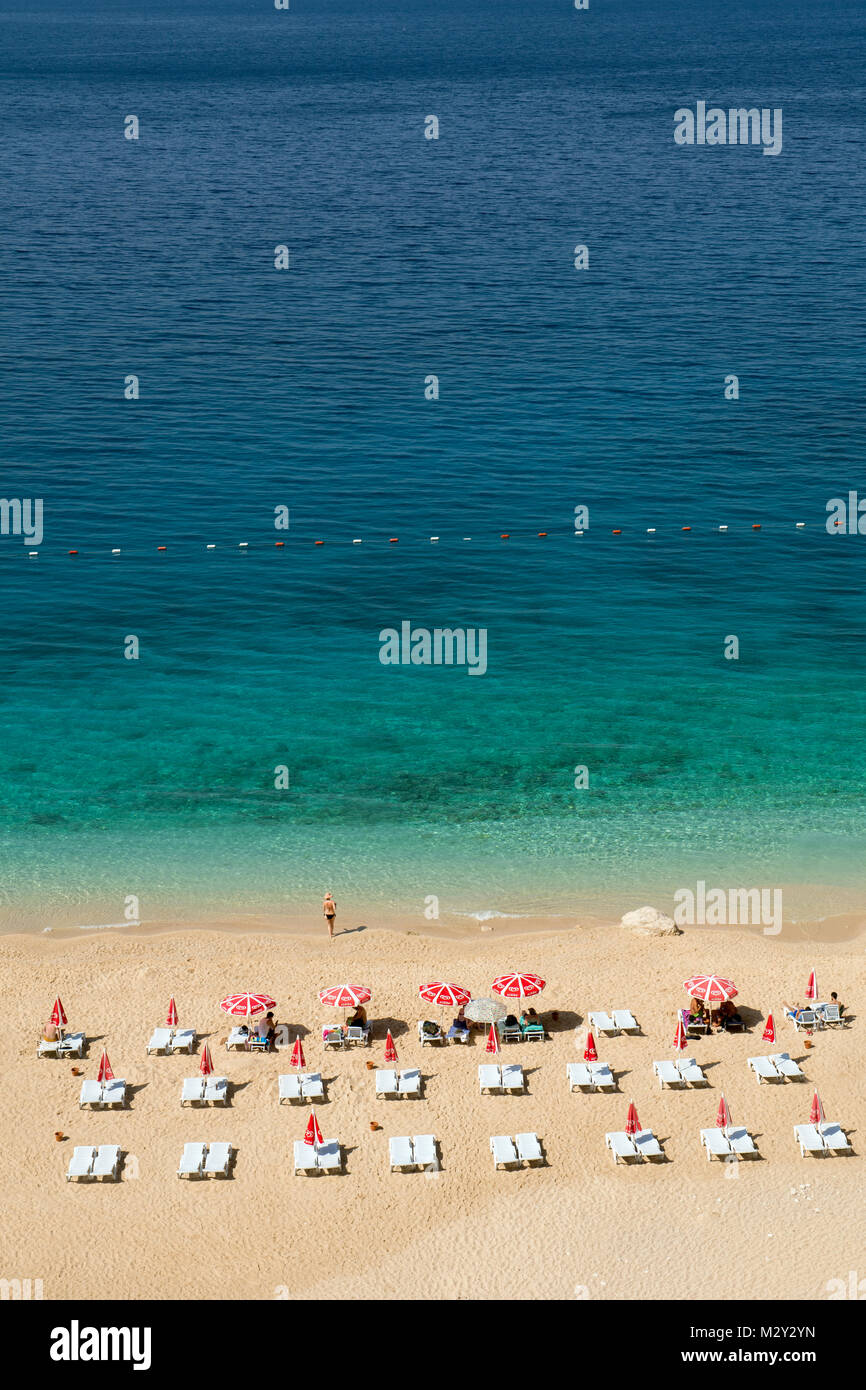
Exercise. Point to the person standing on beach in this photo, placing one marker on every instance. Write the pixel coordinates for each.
(329, 908)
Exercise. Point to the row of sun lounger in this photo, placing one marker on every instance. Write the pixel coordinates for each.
(89, 1162)
(102, 1093)
(388, 1083)
(508, 1077)
(205, 1160)
(777, 1067)
(617, 1021)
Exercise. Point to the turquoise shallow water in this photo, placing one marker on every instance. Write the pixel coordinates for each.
(156, 777)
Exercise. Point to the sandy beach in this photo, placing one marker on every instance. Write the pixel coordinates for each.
(781, 1227)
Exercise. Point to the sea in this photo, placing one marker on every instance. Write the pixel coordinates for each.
(309, 350)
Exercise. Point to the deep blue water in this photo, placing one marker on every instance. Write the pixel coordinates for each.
(305, 388)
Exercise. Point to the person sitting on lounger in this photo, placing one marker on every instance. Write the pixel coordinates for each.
(510, 1021)
(729, 1014)
(460, 1024)
(696, 1011)
(359, 1017)
(50, 1032)
(529, 1019)
(834, 999)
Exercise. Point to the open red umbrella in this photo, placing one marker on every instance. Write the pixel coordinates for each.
(769, 1031)
(723, 1118)
(313, 1134)
(172, 1020)
(105, 1073)
(58, 1014)
(206, 1064)
(589, 1052)
(632, 1123)
(492, 1044)
(681, 1042)
(713, 989)
(516, 985)
(816, 1114)
(445, 995)
(247, 1005)
(812, 988)
(390, 1049)
(298, 1060)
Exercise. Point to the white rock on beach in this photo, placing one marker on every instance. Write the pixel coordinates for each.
(648, 921)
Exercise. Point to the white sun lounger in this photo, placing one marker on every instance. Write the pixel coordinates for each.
(503, 1150)
(48, 1049)
(764, 1069)
(529, 1149)
(400, 1153)
(192, 1091)
(834, 1137)
(238, 1039)
(424, 1149)
(691, 1072)
(386, 1084)
(741, 1141)
(191, 1160)
(81, 1162)
(329, 1156)
(809, 1140)
(114, 1092)
(312, 1087)
(578, 1074)
(831, 1014)
(305, 1157)
(512, 1077)
(784, 1064)
(647, 1145)
(620, 1145)
(601, 1023)
(160, 1041)
(357, 1034)
(216, 1090)
(808, 1019)
(667, 1073)
(438, 1036)
(602, 1077)
(91, 1093)
(333, 1037)
(183, 1041)
(218, 1159)
(489, 1078)
(73, 1042)
(107, 1160)
(290, 1088)
(409, 1083)
(626, 1021)
(715, 1143)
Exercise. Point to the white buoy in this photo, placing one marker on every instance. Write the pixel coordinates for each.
(723, 528)
(433, 538)
(115, 552)
(357, 542)
(33, 552)
(210, 547)
(578, 533)
(242, 545)
(650, 530)
(800, 525)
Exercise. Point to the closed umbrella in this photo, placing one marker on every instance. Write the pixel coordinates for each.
(589, 1052)
(105, 1073)
(723, 1118)
(632, 1123)
(313, 1134)
(680, 1040)
(769, 1031)
(206, 1064)
(172, 1019)
(390, 1049)
(812, 988)
(298, 1060)
(58, 1015)
(492, 1044)
(816, 1114)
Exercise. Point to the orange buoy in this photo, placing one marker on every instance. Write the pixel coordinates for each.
(75, 552)
(616, 533)
(392, 540)
(161, 547)
(542, 533)
(756, 526)
(506, 535)
(687, 528)
(279, 542)
(318, 542)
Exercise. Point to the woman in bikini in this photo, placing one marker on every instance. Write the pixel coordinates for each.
(329, 908)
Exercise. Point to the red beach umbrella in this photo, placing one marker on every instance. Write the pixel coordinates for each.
(298, 1059)
(313, 1134)
(58, 1014)
(713, 989)
(390, 1049)
(206, 1064)
(446, 996)
(769, 1031)
(680, 1040)
(105, 1073)
(345, 996)
(516, 985)
(812, 987)
(492, 1044)
(723, 1119)
(632, 1123)
(172, 1020)
(589, 1052)
(816, 1114)
(247, 1005)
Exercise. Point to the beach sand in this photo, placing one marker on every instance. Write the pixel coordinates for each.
(580, 1227)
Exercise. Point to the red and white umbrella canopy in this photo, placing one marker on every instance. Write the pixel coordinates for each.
(770, 1030)
(492, 1044)
(105, 1073)
(589, 1052)
(812, 987)
(446, 996)
(680, 1040)
(206, 1064)
(172, 1020)
(345, 996)
(247, 1005)
(298, 1059)
(632, 1123)
(517, 985)
(390, 1049)
(816, 1115)
(713, 989)
(58, 1014)
(723, 1118)
(313, 1134)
